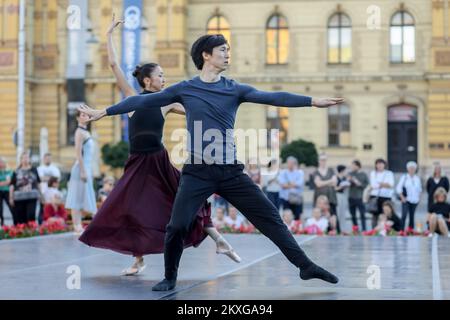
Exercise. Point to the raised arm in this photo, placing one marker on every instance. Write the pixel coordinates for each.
(124, 86)
(285, 99)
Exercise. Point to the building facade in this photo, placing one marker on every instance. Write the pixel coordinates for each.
(389, 59)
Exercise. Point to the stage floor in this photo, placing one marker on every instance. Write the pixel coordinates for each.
(368, 268)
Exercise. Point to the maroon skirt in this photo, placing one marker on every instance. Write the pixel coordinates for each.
(133, 218)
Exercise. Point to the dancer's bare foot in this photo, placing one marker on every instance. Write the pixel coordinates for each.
(137, 267)
(223, 247)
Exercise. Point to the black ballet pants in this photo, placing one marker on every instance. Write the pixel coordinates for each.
(198, 182)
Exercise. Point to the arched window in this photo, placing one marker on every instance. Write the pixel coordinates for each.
(339, 125)
(339, 39)
(219, 25)
(402, 38)
(277, 40)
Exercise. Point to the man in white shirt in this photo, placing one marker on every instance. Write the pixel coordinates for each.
(409, 189)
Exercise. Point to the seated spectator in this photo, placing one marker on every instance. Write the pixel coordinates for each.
(108, 185)
(324, 205)
(388, 219)
(288, 218)
(438, 219)
(317, 223)
(234, 218)
(219, 218)
(52, 190)
(55, 211)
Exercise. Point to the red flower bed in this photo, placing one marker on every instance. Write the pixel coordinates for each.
(32, 229)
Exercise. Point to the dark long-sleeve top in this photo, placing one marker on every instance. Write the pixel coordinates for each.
(210, 112)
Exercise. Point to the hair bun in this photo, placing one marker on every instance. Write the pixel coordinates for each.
(137, 71)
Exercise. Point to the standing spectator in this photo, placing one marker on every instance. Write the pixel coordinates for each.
(219, 218)
(409, 189)
(46, 171)
(434, 182)
(254, 172)
(270, 184)
(325, 182)
(108, 185)
(382, 188)
(24, 190)
(358, 182)
(342, 196)
(234, 218)
(5, 181)
(438, 219)
(291, 181)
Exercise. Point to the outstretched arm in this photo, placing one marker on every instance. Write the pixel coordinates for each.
(250, 94)
(155, 100)
(124, 86)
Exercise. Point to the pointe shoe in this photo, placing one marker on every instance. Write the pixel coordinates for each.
(135, 269)
(78, 230)
(230, 253)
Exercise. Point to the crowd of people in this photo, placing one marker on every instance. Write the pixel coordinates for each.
(33, 194)
(347, 194)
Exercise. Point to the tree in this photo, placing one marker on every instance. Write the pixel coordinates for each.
(115, 155)
(304, 151)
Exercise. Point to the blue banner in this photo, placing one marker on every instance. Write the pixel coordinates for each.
(131, 47)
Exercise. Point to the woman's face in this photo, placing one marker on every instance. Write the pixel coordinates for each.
(380, 166)
(441, 198)
(411, 170)
(437, 171)
(387, 210)
(25, 159)
(83, 118)
(322, 205)
(156, 81)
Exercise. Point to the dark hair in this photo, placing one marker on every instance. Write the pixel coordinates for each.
(206, 44)
(144, 71)
(51, 181)
(340, 168)
(357, 163)
(380, 160)
(390, 205)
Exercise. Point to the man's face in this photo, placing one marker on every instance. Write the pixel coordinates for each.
(291, 164)
(48, 159)
(219, 58)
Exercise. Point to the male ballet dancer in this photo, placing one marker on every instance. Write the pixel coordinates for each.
(211, 102)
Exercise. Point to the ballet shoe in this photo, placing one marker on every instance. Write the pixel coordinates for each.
(230, 253)
(135, 269)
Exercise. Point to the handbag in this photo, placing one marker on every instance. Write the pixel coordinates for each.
(404, 193)
(26, 195)
(295, 198)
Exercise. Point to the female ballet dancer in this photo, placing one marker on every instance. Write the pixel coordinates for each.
(135, 214)
(80, 193)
